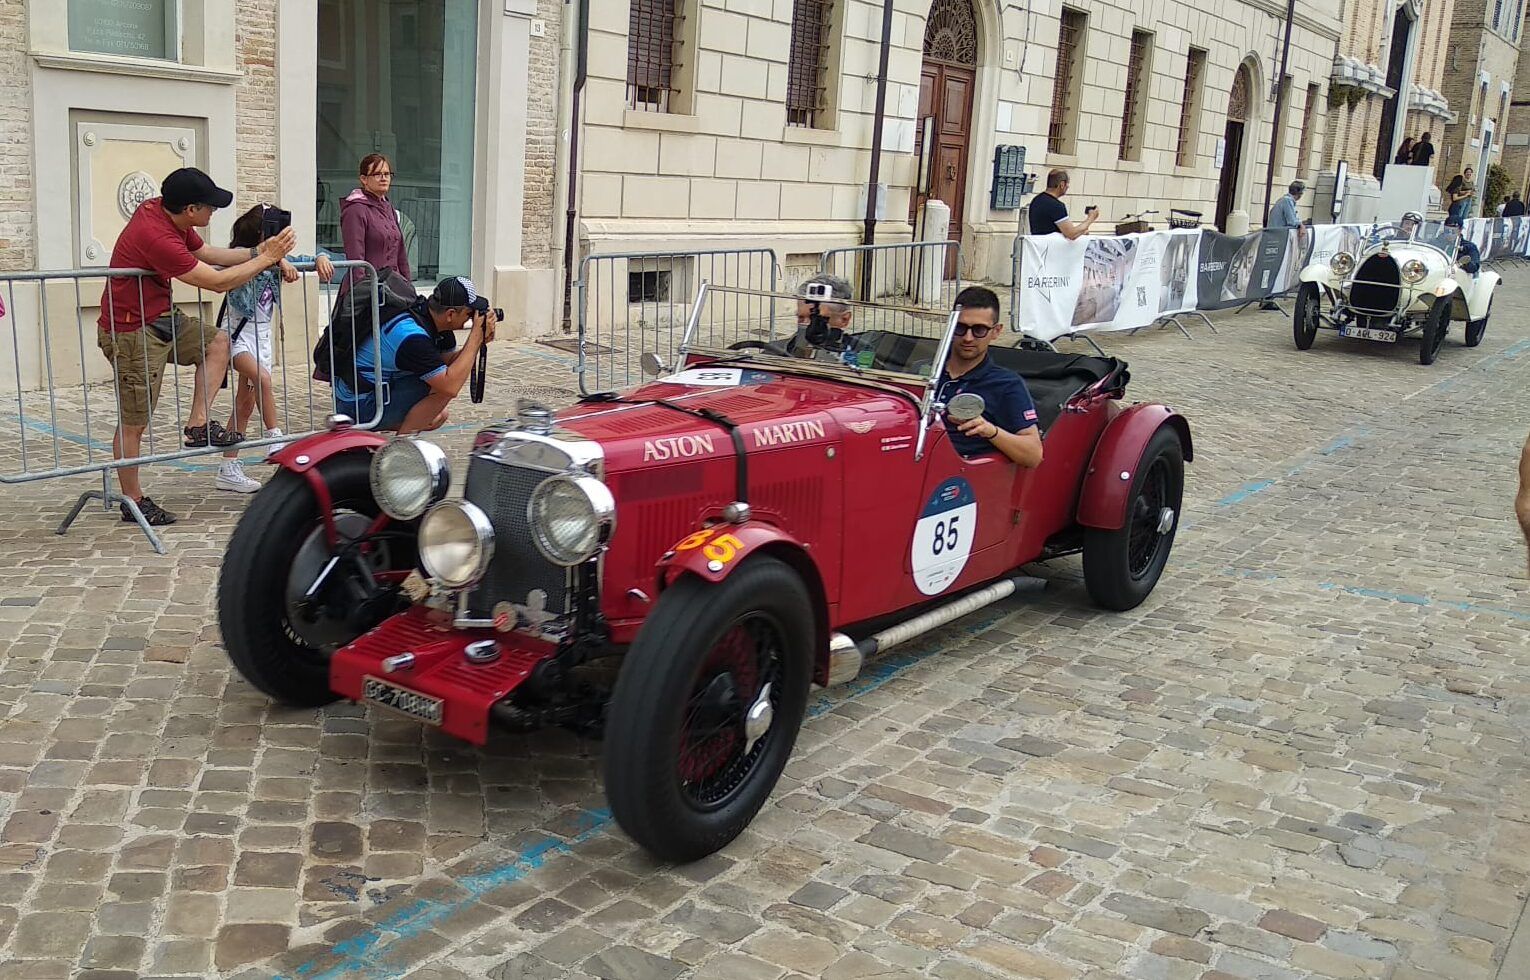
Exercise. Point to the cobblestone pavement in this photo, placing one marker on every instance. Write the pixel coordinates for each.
(1304, 756)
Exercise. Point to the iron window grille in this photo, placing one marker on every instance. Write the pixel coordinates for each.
(1189, 107)
(1070, 47)
(1134, 108)
(1309, 121)
(652, 29)
(806, 67)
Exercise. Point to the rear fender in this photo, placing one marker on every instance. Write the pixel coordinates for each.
(1108, 481)
(1480, 296)
(712, 553)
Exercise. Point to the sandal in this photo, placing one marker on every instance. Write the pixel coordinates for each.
(199, 435)
(153, 514)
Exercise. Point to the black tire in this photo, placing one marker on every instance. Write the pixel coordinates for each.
(253, 611)
(1304, 320)
(1122, 566)
(1436, 325)
(1476, 328)
(678, 667)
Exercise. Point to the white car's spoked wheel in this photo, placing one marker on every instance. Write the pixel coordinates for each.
(1309, 310)
(1436, 323)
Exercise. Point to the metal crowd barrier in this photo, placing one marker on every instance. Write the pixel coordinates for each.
(921, 275)
(634, 303)
(62, 408)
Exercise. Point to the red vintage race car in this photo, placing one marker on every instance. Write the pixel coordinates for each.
(677, 564)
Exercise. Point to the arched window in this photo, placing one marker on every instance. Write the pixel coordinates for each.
(950, 34)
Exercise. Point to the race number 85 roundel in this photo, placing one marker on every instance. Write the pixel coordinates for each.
(943, 536)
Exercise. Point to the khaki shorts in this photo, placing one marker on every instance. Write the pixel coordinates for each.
(139, 357)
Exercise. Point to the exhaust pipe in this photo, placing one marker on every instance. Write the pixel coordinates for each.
(846, 655)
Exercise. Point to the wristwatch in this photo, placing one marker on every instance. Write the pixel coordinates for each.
(254, 253)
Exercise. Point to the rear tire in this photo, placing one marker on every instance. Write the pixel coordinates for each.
(253, 611)
(705, 652)
(1305, 319)
(1122, 566)
(1436, 325)
(1476, 328)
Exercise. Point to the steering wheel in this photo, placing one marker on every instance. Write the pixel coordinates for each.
(768, 347)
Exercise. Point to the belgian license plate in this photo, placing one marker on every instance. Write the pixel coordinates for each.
(401, 699)
(1366, 333)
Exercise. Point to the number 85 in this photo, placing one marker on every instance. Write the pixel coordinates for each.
(946, 536)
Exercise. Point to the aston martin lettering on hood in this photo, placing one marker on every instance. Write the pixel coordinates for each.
(677, 447)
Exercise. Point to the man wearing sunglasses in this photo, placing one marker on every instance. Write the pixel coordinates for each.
(1008, 422)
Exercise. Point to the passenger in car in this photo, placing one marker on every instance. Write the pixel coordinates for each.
(1008, 422)
(804, 343)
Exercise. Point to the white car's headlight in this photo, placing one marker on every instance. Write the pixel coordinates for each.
(1342, 263)
(1414, 270)
(408, 475)
(456, 543)
(571, 517)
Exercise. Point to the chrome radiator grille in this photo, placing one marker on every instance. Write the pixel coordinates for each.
(518, 568)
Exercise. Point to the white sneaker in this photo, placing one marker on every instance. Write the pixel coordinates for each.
(231, 477)
(275, 447)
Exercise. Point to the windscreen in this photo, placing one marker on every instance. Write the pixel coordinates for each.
(861, 337)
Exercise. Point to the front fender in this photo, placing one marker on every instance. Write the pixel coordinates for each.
(1318, 272)
(1108, 481)
(712, 553)
(307, 453)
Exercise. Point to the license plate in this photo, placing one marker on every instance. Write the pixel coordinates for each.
(1366, 333)
(401, 699)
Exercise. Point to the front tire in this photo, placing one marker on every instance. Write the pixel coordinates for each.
(1122, 566)
(269, 645)
(688, 761)
(1436, 324)
(1304, 321)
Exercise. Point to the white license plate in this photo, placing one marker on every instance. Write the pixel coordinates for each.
(401, 699)
(1365, 333)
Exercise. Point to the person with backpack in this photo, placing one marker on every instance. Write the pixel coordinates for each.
(412, 366)
(247, 318)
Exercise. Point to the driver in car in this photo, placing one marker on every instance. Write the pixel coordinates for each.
(838, 316)
(1467, 255)
(1008, 422)
(1408, 227)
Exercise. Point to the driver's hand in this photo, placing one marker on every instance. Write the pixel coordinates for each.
(978, 428)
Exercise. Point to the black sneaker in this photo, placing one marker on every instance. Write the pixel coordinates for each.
(156, 515)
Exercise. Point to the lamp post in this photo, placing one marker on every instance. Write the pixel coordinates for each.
(1280, 107)
(876, 125)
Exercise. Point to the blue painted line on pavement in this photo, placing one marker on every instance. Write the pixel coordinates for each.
(367, 955)
(104, 448)
(1244, 492)
(1389, 595)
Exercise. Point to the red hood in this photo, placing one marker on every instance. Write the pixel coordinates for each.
(772, 411)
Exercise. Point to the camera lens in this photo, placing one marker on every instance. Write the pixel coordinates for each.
(499, 314)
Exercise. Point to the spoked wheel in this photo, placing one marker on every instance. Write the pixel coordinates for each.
(707, 708)
(1309, 310)
(1122, 566)
(287, 600)
(1436, 325)
(1476, 328)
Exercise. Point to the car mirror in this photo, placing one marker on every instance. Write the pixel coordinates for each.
(652, 364)
(965, 407)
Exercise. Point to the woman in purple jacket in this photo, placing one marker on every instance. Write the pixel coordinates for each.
(369, 225)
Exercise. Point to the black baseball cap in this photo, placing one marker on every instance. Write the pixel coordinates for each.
(455, 292)
(189, 185)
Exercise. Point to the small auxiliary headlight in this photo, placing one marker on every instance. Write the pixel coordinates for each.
(408, 475)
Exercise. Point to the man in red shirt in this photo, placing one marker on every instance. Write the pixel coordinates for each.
(140, 330)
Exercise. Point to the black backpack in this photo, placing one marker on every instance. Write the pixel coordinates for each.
(351, 323)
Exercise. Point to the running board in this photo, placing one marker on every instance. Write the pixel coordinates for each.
(846, 655)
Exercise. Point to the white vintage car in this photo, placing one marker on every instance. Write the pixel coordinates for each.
(1407, 279)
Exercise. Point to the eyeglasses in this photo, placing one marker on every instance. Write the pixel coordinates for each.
(978, 332)
(381, 174)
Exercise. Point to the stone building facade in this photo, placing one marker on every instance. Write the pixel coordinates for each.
(1482, 62)
(1387, 85)
(721, 160)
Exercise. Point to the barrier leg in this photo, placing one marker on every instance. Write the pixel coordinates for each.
(1204, 319)
(108, 497)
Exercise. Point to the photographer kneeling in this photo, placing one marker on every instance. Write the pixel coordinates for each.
(418, 379)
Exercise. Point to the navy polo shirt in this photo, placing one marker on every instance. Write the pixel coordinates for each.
(1006, 399)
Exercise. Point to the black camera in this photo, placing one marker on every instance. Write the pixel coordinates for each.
(273, 221)
(499, 314)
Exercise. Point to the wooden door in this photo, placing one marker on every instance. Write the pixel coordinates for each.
(1232, 156)
(945, 95)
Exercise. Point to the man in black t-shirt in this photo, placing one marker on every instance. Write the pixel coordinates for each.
(1423, 150)
(1048, 215)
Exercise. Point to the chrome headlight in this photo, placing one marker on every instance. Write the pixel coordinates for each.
(571, 517)
(1342, 264)
(1414, 270)
(408, 475)
(456, 543)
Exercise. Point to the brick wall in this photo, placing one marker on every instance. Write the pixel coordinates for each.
(540, 221)
(1473, 48)
(16, 232)
(255, 96)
